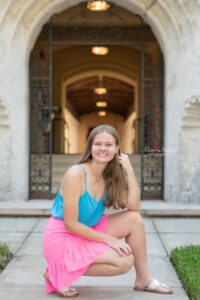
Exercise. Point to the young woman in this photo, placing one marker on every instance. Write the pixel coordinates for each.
(79, 239)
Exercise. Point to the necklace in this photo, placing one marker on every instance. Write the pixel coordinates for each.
(98, 179)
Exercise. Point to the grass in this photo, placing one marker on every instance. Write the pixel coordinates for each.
(186, 261)
(5, 256)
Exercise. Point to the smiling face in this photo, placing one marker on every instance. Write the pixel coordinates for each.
(104, 147)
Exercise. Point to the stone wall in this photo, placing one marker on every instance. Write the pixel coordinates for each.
(189, 159)
(5, 149)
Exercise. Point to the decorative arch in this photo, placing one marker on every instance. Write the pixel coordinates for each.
(32, 15)
(78, 69)
(162, 17)
(67, 80)
(148, 57)
(191, 117)
(96, 72)
(4, 119)
(101, 72)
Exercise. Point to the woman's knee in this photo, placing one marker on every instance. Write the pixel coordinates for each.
(135, 217)
(125, 263)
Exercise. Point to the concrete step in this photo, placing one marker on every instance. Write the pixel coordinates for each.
(57, 169)
(65, 158)
(62, 159)
(149, 208)
(58, 179)
(57, 175)
(62, 162)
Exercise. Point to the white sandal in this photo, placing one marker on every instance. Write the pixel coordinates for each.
(72, 292)
(152, 287)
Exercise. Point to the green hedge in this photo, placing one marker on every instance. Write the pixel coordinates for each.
(186, 261)
(5, 255)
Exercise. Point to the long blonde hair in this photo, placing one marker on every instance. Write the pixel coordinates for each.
(113, 175)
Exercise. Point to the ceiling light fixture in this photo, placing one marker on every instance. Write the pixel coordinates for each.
(102, 113)
(98, 5)
(100, 50)
(101, 104)
(100, 90)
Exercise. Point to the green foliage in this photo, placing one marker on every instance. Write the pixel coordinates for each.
(5, 255)
(186, 261)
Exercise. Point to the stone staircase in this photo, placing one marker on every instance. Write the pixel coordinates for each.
(61, 162)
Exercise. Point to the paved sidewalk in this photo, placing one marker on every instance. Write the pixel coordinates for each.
(22, 279)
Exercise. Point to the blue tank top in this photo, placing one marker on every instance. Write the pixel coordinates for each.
(90, 210)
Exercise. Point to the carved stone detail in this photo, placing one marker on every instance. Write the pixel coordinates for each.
(4, 119)
(191, 116)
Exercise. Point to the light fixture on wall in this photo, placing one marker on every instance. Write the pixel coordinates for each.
(102, 113)
(100, 90)
(101, 104)
(98, 5)
(100, 50)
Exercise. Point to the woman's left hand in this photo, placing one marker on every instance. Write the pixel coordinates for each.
(125, 162)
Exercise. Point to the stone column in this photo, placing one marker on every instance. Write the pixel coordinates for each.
(13, 132)
(182, 83)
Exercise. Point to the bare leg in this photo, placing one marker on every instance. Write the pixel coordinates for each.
(132, 228)
(130, 225)
(109, 264)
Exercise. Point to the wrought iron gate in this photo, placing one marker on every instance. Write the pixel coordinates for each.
(152, 116)
(152, 102)
(40, 111)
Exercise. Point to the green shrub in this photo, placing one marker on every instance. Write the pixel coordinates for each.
(5, 255)
(186, 261)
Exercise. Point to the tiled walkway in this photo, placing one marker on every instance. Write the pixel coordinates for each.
(22, 279)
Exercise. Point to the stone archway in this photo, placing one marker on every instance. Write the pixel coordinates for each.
(128, 52)
(116, 74)
(17, 37)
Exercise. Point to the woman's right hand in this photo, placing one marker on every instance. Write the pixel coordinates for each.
(120, 246)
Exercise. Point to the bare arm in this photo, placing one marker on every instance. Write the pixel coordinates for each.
(71, 189)
(132, 201)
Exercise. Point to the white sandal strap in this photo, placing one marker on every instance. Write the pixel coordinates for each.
(154, 284)
(69, 289)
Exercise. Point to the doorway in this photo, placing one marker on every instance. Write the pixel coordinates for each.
(63, 106)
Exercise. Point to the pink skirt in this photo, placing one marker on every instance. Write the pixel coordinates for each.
(68, 255)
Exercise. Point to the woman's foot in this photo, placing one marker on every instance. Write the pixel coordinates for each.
(67, 292)
(153, 286)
